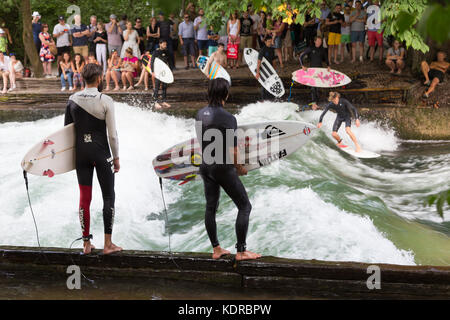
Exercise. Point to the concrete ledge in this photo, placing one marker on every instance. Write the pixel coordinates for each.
(309, 278)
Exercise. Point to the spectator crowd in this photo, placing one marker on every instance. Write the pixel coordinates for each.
(124, 47)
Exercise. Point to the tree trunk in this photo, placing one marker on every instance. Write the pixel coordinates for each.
(28, 42)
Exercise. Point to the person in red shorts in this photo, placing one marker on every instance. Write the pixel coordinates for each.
(374, 33)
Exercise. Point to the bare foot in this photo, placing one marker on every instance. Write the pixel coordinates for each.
(399, 71)
(130, 88)
(107, 89)
(158, 106)
(427, 82)
(358, 148)
(392, 71)
(337, 62)
(111, 249)
(116, 88)
(247, 255)
(166, 105)
(88, 247)
(218, 252)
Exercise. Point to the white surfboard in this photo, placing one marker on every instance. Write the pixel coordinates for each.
(269, 78)
(320, 78)
(260, 144)
(215, 70)
(52, 155)
(162, 71)
(364, 154)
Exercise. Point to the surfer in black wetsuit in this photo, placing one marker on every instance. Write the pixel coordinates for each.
(162, 53)
(220, 167)
(317, 56)
(344, 110)
(267, 52)
(93, 115)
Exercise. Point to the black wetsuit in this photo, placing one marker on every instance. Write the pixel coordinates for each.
(269, 54)
(164, 56)
(344, 111)
(93, 115)
(220, 172)
(316, 56)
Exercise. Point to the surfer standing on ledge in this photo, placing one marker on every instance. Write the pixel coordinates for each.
(344, 110)
(317, 55)
(93, 115)
(220, 167)
(162, 53)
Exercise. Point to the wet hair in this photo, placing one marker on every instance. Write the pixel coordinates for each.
(218, 92)
(91, 72)
(333, 95)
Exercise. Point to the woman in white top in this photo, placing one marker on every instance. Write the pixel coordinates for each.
(233, 31)
(132, 40)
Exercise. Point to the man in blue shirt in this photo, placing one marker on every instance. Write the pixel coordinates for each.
(80, 33)
(37, 27)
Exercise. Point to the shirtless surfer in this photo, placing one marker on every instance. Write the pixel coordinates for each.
(219, 57)
(435, 72)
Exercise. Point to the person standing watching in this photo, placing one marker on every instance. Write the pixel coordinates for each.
(334, 20)
(201, 30)
(36, 27)
(92, 112)
(141, 32)
(114, 33)
(374, 31)
(358, 20)
(164, 34)
(92, 29)
(80, 35)
(186, 34)
(222, 171)
(61, 33)
(246, 33)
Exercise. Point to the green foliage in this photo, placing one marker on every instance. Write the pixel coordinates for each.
(400, 17)
(440, 200)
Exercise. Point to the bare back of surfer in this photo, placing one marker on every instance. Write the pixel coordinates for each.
(344, 111)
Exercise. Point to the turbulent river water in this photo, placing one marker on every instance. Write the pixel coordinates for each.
(318, 203)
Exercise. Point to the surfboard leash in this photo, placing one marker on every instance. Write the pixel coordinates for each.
(168, 225)
(290, 90)
(37, 230)
(25, 177)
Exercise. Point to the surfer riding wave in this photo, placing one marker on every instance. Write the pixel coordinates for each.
(344, 111)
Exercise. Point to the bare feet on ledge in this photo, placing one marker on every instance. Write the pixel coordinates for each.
(247, 255)
(219, 252)
(88, 247)
(111, 248)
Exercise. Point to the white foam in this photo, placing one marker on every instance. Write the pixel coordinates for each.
(285, 222)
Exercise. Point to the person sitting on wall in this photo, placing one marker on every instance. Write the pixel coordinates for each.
(435, 72)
